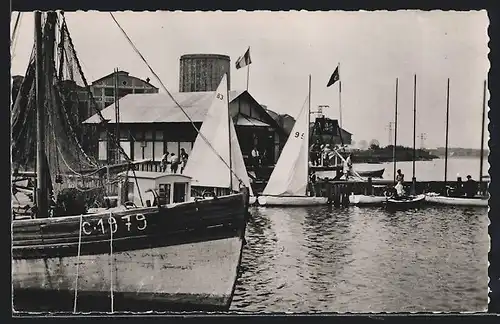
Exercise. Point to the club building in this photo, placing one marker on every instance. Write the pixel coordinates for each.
(152, 124)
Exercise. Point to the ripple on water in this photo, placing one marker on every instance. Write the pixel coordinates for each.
(364, 260)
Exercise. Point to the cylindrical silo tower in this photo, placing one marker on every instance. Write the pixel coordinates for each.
(203, 72)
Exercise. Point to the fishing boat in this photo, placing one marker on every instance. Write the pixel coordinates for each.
(435, 198)
(287, 185)
(146, 254)
(405, 202)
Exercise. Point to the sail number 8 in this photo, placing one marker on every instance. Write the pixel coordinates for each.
(297, 134)
(126, 223)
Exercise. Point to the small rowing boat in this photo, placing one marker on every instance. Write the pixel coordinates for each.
(366, 200)
(406, 202)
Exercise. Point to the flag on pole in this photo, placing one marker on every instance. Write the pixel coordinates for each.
(334, 78)
(244, 60)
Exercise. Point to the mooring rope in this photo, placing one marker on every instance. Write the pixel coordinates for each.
(111, 259)
(78, 262)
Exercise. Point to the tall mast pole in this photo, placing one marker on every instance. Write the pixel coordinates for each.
(340, 97)
(117, 115)
(229, 121)
(41, 190)
(395, 129)
(447, 129)
(413, 178)
(482, 134)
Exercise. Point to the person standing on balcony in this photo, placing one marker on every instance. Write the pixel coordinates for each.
(184, 159)
(174, 163)
(164, 162)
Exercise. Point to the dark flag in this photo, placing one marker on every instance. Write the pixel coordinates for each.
(244, 60)
(334, 78)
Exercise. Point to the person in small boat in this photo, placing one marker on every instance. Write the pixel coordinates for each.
(470, 187)
(315, 153)
(174, 163)
(184, 159)
(400, 178)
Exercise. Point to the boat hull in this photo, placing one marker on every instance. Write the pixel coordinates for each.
(185, 256)
(456, 201)
(364, 200)
(188, 276)
(406, 203)
(291, 201)
(373, 173)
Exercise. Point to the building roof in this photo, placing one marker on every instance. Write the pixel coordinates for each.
(159, 107)
(125, 73)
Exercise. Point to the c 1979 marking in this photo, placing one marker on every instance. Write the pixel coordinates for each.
(125, 223)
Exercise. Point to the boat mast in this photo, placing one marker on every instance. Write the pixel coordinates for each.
(229, 129)
(482, 135)
(117, 115)
(308, 122)
(413, 178)
(41, 183)
(395, 130)
(447, 127)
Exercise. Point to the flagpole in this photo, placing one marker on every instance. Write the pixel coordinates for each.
(248, 75)
(340, 97)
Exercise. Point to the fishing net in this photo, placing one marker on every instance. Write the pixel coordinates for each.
(70, 145)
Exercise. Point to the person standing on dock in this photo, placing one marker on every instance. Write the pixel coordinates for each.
(348, 167)
(315, 153)
(255, 157)
(326, 155)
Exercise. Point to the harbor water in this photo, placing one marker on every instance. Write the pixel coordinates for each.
(366, 259)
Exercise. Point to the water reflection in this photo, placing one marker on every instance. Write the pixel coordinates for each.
(364, 260)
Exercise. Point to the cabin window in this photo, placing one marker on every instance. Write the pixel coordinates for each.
(97, 92)
(103, 150)
(108, 102)
(109, 92)
(164, 194)
(139, 90)
(126, 147)
(187, 146)
(179, 192)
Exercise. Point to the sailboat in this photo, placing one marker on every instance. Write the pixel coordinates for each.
(287, 185)
(128, 258)
(216, 164)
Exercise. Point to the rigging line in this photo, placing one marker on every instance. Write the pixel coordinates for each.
(111, 259)
(15, 32)
(172, 97)
(78, 263)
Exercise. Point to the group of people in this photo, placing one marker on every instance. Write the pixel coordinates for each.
(321, 154)
(467, 188)
(174, 161)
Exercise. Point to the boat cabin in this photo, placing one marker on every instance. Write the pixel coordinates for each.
(168, 188)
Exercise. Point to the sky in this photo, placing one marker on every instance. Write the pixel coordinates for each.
(373, 49)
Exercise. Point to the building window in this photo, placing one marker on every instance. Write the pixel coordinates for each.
(109, 92)
(148, 150)
(97, 92)
(158, 150)
(187, 146)
(173, 147)
(108, 103)
(126, 147)
(103, 150)
(138, 150)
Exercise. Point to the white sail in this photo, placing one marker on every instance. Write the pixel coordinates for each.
(290, 175)
(204, 165)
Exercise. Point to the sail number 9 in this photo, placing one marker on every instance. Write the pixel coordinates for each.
(297, 134)
(125, 223)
